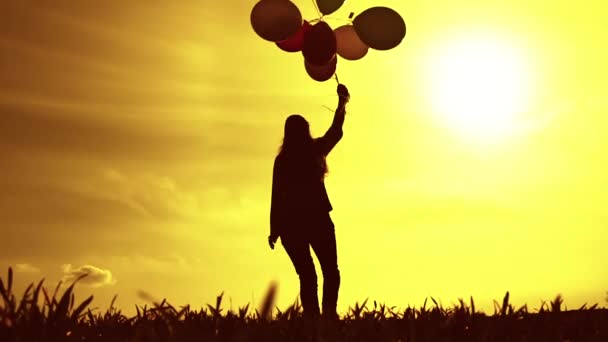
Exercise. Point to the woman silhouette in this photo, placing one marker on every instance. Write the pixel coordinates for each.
(299, 210)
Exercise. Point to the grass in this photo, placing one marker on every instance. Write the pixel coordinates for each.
(39, 316)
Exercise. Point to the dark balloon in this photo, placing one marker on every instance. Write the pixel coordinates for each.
(276, 20)
(295, 42)
(319, 44)
(381, 28)
(323, 72)
(329, 6)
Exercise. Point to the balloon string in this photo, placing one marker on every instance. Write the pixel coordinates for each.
(336, 77)
(314, 2)
(337, 19)
(333, 109)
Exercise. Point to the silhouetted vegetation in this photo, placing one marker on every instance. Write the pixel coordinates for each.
(40, 316)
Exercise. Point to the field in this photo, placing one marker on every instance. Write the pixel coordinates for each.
(43, 316)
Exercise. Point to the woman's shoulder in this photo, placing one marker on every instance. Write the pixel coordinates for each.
(318, 143)
(278, 159)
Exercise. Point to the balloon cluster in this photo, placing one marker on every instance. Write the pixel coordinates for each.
(281, 22)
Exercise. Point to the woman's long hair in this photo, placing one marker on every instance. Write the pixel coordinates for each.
(298, 150)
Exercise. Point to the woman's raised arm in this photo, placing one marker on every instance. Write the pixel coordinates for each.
(334, 133)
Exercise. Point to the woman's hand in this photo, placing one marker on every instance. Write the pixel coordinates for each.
(343, 93)
(272, 240)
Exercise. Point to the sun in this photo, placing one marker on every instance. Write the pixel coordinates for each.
(479, 88)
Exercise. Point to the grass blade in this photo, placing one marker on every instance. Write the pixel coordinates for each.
(268, 302)
(76, 313)
(9, 285)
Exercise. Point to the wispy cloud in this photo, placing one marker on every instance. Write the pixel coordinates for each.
(26, 268)
(148, 194)
(96, 276)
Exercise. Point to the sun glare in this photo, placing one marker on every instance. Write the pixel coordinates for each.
(479, 88)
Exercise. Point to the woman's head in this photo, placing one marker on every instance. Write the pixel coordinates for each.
(298, 148)
(297, 133)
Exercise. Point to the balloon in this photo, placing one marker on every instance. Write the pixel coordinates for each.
(381, 28)
(329, 6)
(295, 42)
(276, 20)
(323, 72)
(349, 45)
(319, 44)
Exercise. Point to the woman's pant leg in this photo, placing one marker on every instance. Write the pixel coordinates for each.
(299, 252)
(323, 242)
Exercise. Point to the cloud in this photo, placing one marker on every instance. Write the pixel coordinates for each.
(96, 276)
(148, 195)
(53, 133)
(26, 268)
(161, 263)
(95, 198)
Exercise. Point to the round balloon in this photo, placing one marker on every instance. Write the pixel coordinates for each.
(321, 73)
(381, 28)
(329, 6)
(349, 45)
(319, 44)
(295, 42)
(276, 20)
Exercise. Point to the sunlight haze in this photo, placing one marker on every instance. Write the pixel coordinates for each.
(479, 87)
(137, 141)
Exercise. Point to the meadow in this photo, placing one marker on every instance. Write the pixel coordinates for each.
(39, 315)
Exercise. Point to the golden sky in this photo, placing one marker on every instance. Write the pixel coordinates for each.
(137, 140)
